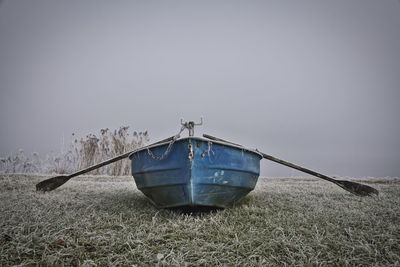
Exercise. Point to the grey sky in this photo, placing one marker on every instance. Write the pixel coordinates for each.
(313, 82)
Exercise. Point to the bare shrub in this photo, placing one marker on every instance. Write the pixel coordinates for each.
(20, 163)
(81, 153)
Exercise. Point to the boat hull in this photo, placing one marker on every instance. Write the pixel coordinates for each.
(195, 172)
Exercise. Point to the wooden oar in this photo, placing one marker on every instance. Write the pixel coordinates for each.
(57, 181)
(353, 187)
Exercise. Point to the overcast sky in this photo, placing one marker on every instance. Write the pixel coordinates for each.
(314, 82)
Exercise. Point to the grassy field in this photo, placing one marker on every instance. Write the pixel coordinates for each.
(105, 221)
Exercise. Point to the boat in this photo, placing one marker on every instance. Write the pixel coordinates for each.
(195, 172)
(198, 171)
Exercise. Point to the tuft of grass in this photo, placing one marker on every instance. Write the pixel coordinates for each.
(99, 221)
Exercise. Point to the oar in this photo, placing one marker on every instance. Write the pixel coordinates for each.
(55, 182)
(352, 187)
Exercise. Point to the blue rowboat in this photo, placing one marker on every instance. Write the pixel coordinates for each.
(195, 172)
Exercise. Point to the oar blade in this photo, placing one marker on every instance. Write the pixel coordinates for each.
(52, 183)
(357, 189)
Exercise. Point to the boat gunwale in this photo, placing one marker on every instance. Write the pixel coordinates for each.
(197, 138)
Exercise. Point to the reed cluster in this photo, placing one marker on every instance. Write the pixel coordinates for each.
(80, 153)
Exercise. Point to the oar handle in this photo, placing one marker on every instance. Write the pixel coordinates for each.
(101, 164)
(297, 167)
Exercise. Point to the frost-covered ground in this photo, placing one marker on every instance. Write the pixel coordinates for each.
(106, 221)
